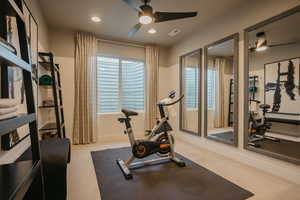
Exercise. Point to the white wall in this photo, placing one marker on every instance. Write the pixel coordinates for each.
(35, 8)
(43, 44)
(245, 16)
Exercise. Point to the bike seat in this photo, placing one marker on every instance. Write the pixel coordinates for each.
(264, 106)
(129, 113)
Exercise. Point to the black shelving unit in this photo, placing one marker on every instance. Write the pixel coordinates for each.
(231, 104)
(19, 180)
(47, 62)
(253, 84)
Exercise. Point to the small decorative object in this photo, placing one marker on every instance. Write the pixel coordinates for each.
(49, 135)
(48, 102)
(45, 80)
(34, 72)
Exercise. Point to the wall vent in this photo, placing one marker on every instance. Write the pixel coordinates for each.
(174, 32)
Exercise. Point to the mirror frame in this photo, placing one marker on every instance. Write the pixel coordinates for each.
(235, 38)
(246, 80)
(199, 92)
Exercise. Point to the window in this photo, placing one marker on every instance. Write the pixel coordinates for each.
(120, 84)
(211, 79)
(191, 87)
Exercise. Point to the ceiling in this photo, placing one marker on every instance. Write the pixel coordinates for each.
(223, 49)
(118, 18)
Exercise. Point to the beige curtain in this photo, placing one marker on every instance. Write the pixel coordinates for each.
(152, 57)
(219, 112)
(84, 131)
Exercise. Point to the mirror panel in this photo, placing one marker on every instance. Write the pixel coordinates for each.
(221, 90)
(190, 87)
(273, 104)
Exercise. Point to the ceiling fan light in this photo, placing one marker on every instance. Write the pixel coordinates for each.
(262, 48)
(145, 19)
(261, 43)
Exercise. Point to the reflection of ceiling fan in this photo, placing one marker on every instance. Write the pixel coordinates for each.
(261, 43)
(146, 15)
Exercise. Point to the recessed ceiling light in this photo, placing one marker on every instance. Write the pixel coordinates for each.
(152, 31)
(96, 19)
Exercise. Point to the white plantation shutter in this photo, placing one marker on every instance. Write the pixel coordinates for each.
(120, 84)
(107, 85)
(211, 76)
(132, 84)
(191, 87)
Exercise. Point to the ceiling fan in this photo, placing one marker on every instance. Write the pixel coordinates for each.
(147, 16)
(261, 43)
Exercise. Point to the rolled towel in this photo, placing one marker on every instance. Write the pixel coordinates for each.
(8, 116)
(4, 111)
(8, 103)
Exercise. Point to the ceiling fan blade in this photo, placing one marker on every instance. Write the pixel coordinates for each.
(134, 30)
(167, 16)
(283, 44)
(132, 4)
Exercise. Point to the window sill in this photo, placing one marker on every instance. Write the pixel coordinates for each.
(118, 113)
(192, 109)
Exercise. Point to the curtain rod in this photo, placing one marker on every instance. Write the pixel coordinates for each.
(121, 43)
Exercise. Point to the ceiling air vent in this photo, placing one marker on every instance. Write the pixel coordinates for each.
(174, 32)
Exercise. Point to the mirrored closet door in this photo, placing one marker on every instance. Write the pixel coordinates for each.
(190, 81)
(221, 90)
(273, 99)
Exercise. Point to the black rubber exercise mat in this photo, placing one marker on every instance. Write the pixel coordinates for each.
(161, 182)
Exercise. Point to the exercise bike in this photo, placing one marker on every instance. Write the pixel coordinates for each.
(158, 141)
(259, 125)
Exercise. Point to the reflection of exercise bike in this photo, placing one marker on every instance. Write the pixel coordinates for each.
(259, 125)
(159, 140)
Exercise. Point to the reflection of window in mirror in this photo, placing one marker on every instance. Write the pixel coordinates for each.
(190, 88)
(274, 88)
(211, 88)
(221, 64)
(219, 74)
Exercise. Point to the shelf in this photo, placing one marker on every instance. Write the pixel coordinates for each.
(50, 86)
(47, 66)
(16, 178)
(11, 59)
(49, 126)
(12, 9)
(11, 124)
(50, 106)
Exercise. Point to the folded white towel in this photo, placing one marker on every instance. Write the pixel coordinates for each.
(7, 103)
(8, 110)
(7, 116)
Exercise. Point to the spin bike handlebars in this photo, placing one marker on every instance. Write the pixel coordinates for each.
(174, 102)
